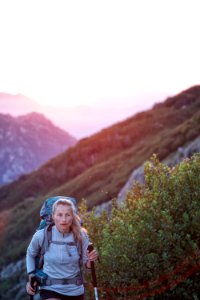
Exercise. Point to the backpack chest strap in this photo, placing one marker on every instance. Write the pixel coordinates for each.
(67, 244)
(64, 243)
(48, 240)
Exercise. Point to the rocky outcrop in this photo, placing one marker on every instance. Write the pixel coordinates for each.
(27, 142)
(138, 174)
(12, 269)
(173, 159)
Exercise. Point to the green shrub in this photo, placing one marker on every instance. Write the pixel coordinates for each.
(149, 247)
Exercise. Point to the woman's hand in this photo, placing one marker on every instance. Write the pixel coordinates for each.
(92, 256)
(31, 290)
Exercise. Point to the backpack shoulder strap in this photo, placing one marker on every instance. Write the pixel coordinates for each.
(47, 238)
(79, 246)
(45, 245)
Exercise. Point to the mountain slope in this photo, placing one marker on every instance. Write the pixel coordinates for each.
(98, 167)
(27, 142)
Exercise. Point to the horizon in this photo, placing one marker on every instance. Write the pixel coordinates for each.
(70, 57)
(79, 121)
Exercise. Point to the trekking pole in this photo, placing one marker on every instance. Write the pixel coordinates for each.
(32, 281)
(94, 279)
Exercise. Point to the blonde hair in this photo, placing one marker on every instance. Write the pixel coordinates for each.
(76, 226)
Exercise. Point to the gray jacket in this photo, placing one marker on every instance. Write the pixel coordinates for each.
(60, 260)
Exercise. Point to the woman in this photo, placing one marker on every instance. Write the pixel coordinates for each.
(62, 259)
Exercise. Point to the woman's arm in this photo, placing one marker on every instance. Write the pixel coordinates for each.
(33, 250)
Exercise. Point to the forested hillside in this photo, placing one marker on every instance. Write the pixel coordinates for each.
(95, 169)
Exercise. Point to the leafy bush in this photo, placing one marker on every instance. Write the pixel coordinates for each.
(149, 247)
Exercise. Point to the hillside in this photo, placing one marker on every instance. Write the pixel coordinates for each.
(27, 142)
(96, 168)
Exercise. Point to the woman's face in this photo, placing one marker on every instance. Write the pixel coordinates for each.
(63, 218)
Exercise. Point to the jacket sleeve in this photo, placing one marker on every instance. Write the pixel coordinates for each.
(33, 250)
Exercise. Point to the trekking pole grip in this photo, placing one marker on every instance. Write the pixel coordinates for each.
(32, 280)
(90, 248)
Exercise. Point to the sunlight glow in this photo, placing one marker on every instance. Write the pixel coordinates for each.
(87, 52)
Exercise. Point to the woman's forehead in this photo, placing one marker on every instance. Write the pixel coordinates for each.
(63, 207)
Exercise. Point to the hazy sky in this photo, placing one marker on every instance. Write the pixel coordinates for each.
(90, 52)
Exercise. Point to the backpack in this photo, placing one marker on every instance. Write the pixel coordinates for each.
(46, 223)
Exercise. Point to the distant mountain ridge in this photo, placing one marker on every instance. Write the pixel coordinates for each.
(27, 142)
(16, 105)
(80, 121)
